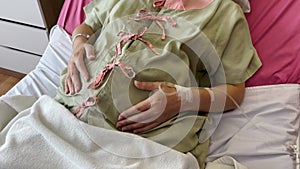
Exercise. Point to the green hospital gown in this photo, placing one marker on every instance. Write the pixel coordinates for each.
(207, 47)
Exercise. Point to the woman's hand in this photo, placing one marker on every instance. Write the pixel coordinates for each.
(161, 106)
(169, 101)
(76, 66)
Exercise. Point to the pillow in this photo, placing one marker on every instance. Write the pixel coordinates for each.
(244, 4)
(274, 27)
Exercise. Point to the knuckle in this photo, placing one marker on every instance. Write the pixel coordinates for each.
(139, 109)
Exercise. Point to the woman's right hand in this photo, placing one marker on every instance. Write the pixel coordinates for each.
(77, 67)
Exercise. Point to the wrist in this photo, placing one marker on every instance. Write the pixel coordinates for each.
(81, 36)
(79, 42)
(189, 97)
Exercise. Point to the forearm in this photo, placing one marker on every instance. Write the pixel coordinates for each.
(220, 98)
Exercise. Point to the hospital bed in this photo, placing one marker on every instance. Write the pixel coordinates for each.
(263, 132)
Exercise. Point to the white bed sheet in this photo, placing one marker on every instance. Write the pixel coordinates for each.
(44, 79)
(262, 137)
(235, 136)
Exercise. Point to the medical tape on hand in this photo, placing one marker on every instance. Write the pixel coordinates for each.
(185, 93)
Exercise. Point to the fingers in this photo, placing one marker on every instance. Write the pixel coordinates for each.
(145, 127)
(139, 122)
(142, 116)
(134, 110)
(132, 117)
(72, 81)
(149, 86)
(80, 64)
(142, 106)
(90, 51)
(166, 87)
(140, 127)
(67, 84)
(77, 66)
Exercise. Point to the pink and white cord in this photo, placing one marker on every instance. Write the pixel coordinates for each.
(146, 15)
(89, 102)
(126, 36)
(126, 69)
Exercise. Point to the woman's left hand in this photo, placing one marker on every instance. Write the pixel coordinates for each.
(161, 106)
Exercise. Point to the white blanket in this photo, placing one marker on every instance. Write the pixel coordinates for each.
(48, 136)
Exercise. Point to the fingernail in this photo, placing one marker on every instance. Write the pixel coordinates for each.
(92, 57)
(136, 83)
